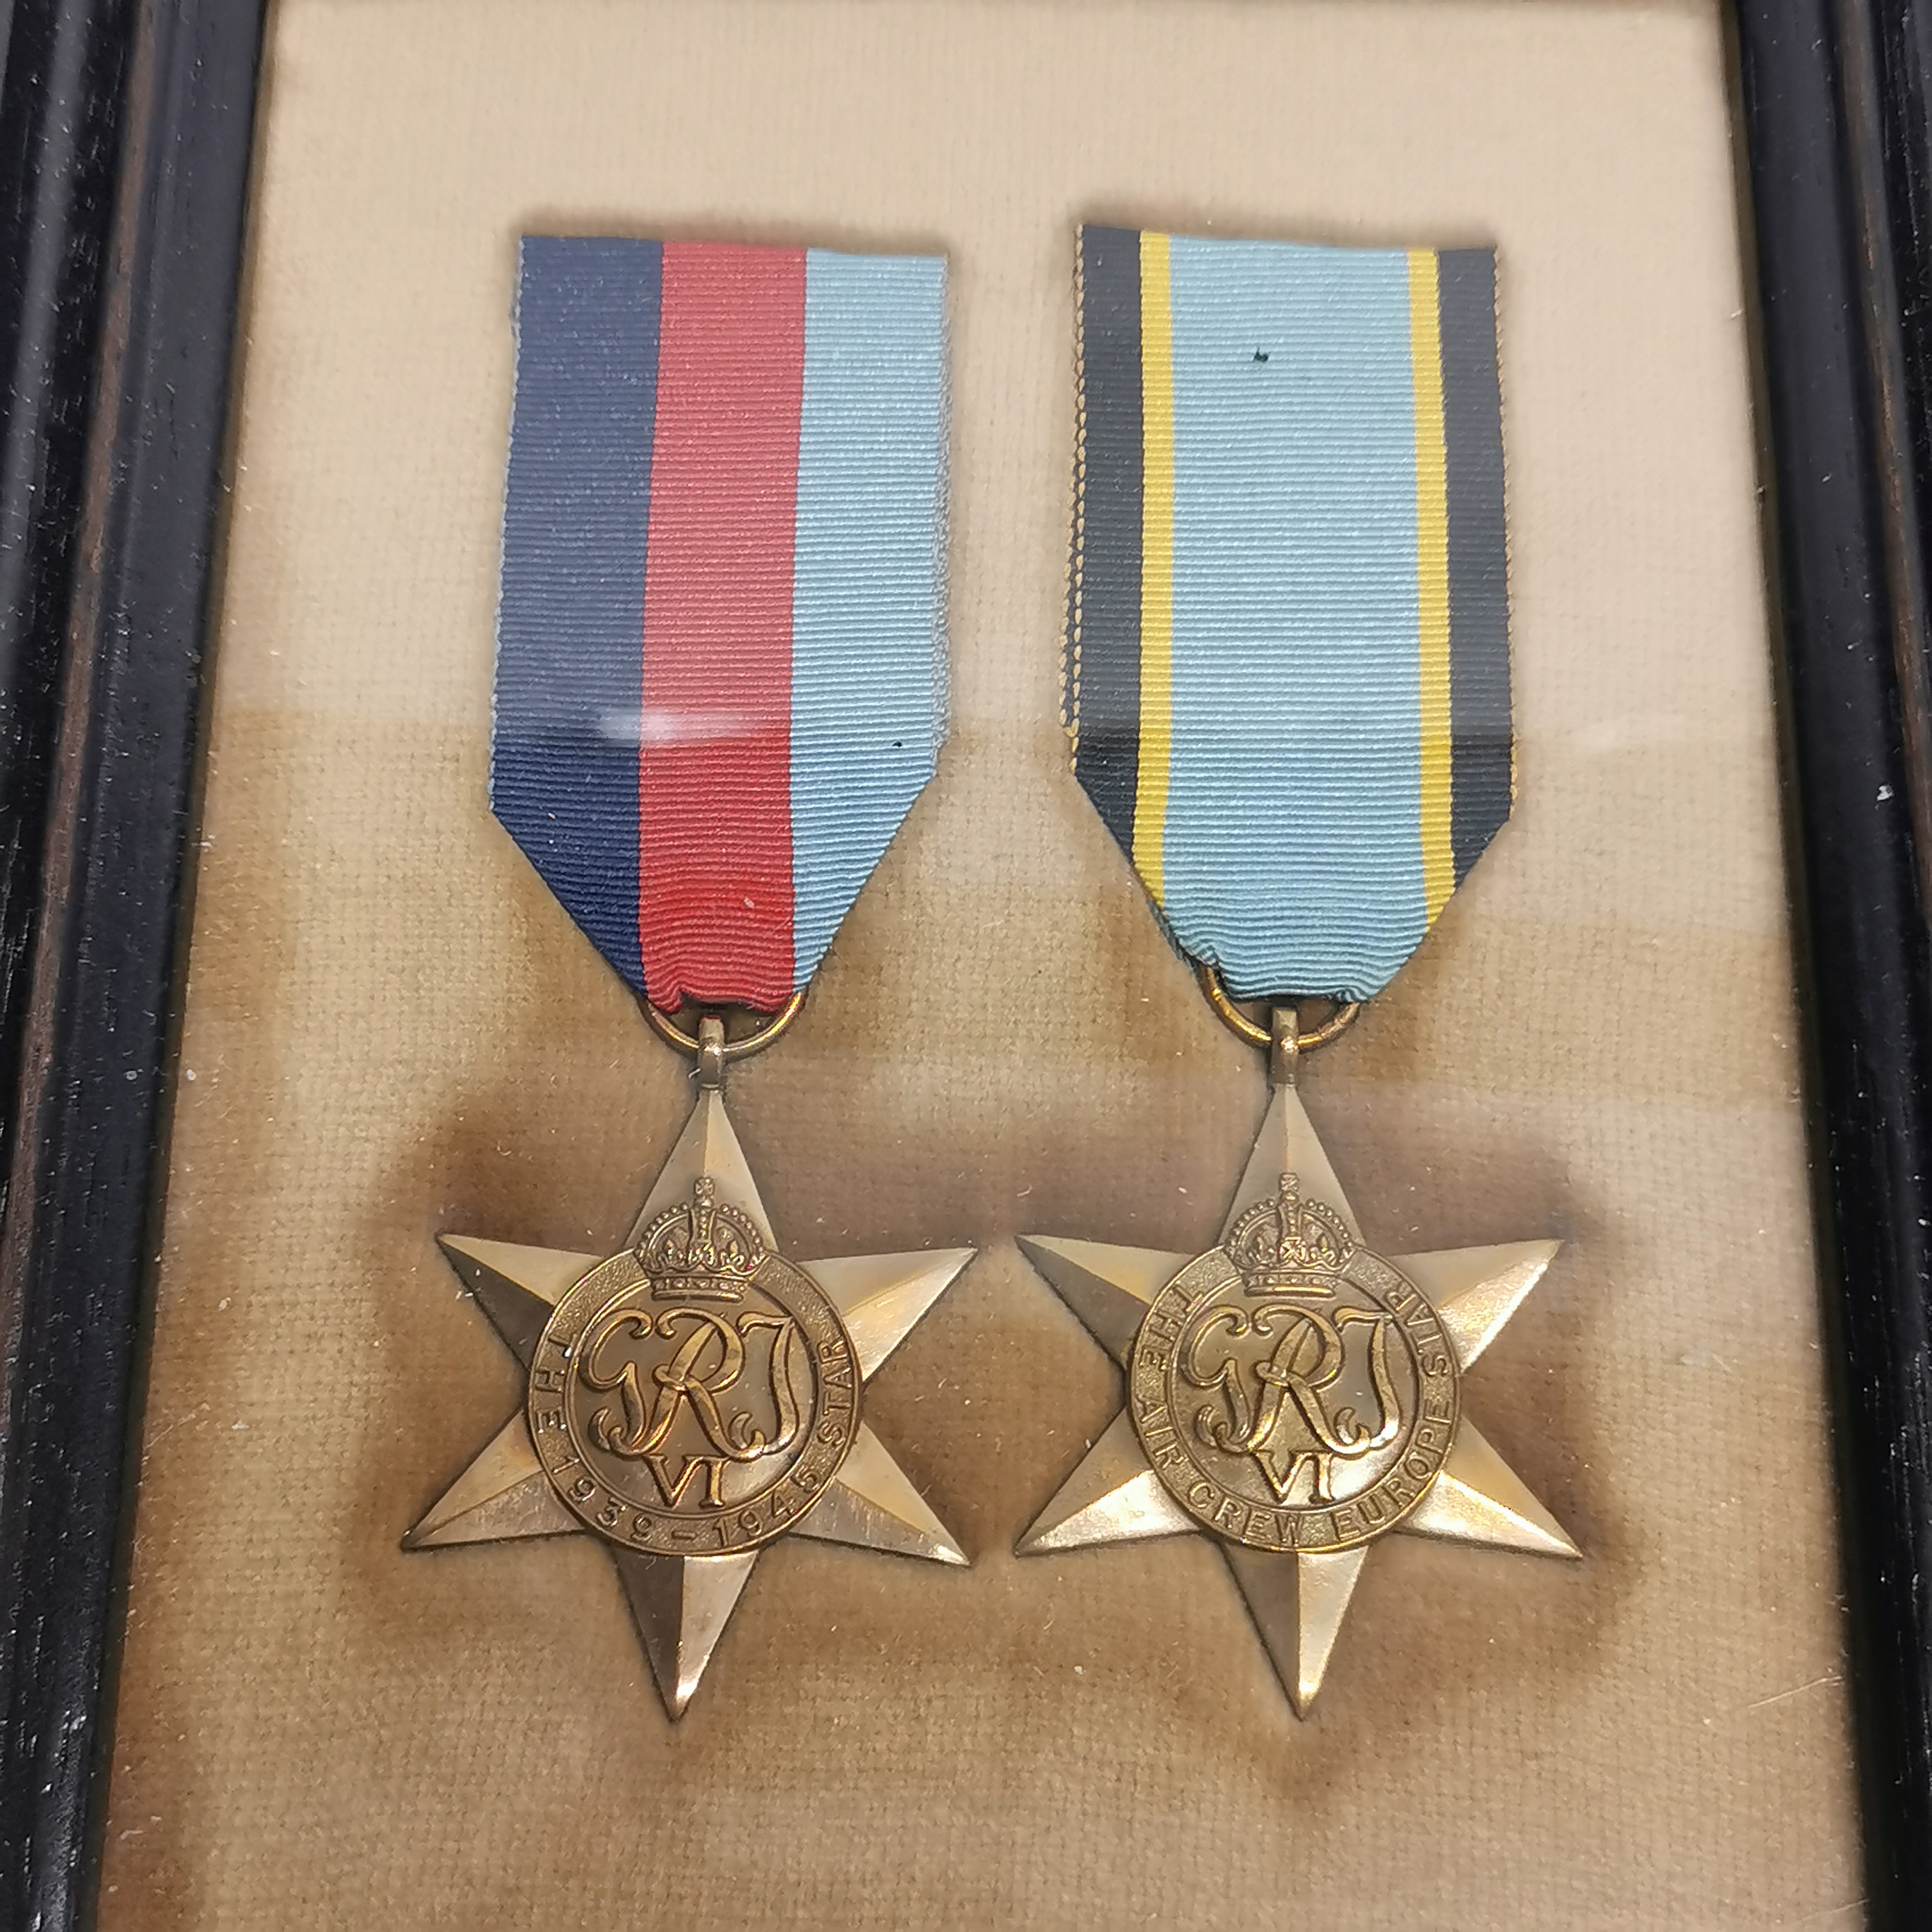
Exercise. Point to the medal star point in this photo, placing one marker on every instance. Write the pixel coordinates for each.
(1112, 1496)
(503, 1494)
(1298, 1604)
(1299, 1599)
(682, 1604)
(881, 1298)
(1109, 1287)
(516, 1287)
(872, 1503)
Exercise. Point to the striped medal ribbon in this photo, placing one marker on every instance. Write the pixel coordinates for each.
(721, 642)
(1287, 665)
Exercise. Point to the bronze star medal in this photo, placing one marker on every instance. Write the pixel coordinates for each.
(1286, 682)
(720, 685)
(1293, 1395)
(692, 1397)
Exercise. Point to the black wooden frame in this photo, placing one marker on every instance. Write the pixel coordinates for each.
(126, 135)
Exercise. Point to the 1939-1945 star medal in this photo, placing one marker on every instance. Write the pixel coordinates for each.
(719, 688)
(692, 1396)
(1287, 680)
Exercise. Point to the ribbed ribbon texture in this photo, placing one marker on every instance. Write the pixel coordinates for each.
(1287, 640)
(721, 644)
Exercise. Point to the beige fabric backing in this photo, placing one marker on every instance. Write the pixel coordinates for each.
(392, 1029)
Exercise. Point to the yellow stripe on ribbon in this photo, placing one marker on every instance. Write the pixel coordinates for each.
(1156, 737)
(1432, 559)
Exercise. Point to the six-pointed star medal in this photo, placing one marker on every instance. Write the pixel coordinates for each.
(1294, 1395)
(692, 1397)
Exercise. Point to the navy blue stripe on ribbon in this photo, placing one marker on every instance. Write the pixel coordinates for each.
(570, 625)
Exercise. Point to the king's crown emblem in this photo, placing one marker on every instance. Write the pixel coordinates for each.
(1285, 1245)
(701, 1251)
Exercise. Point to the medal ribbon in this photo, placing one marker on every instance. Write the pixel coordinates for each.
(721, 640)
(1288, 644)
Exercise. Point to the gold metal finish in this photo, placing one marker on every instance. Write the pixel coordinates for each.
(1284, 1046)
(1286, 1144)
(1479, 1499)
(873, 1505)
(710, 1051)
(1295, 1395)
(1208, 978)
(1110, 1288)
(879, 1297)
(681, 1605)
(1298, 1606)
(1113, 1496)
(693, 1396)
(1293, 1391)
(761, 1037)
(504, 1493)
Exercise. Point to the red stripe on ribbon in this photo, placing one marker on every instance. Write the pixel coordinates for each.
(714, 753)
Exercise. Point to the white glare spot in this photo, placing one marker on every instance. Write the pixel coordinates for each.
(657, 726)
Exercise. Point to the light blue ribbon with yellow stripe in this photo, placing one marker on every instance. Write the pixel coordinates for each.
(1288, 655)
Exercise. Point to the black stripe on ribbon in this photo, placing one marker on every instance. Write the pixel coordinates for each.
(1104, 639)
(1479, 673)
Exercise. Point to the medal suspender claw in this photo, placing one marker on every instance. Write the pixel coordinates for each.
(720, 686)
(1287, 679)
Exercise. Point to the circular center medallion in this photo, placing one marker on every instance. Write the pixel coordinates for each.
(693, 1395)
(1292, 1390)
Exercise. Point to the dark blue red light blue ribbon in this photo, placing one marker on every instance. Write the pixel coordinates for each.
(721, 644)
